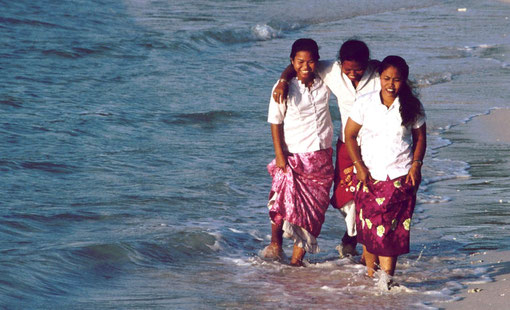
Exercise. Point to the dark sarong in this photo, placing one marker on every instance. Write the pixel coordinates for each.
(383, 216)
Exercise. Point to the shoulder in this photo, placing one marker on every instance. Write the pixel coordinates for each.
(323, 64)
(368, 98)
(326, 66)
(364, 104)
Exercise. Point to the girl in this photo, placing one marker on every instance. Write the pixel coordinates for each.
(388, 164)
(351, 76)
(303, 170)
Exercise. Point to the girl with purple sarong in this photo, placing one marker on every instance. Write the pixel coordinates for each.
(303, 170)
(388, 164)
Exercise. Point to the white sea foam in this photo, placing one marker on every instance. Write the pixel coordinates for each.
(434, 78)
(264, 32)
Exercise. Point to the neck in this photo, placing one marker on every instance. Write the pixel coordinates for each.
(387, 100)
(308, 82)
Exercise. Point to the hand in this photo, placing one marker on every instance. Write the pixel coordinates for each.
(281, 162)
(363, 175)
(414, 175)
(280, 92)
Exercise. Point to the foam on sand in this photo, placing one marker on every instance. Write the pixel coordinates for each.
(485, 295)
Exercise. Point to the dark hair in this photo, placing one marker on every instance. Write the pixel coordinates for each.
(354, 50)
(305, 45)
(410, 106)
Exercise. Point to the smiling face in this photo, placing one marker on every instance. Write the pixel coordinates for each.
(391, 81)
(353, 69)
(304, 63)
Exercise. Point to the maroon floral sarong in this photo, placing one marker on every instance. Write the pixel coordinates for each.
(383, 215)
(302, 190)
(343, 188)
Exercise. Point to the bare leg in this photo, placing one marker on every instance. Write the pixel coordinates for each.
(274, 249)
(362, 259)
(388, 264)
(297, 256)
(370, 262)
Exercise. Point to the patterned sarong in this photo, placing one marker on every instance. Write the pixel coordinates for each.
(302, 191)
(383, 215)
(343, 189)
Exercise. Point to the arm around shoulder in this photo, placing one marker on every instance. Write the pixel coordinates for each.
(281, 90)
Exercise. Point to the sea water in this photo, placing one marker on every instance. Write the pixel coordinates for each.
(134, 147)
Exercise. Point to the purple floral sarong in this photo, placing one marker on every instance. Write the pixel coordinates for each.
(302, 190)
(383, 215)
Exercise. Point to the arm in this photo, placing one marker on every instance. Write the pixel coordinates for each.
(282, 89)
(277, 133)
(419, 147)
(351, 133)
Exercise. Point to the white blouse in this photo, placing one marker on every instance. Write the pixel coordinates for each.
(307, 125)
(386, 145)
(341, 86)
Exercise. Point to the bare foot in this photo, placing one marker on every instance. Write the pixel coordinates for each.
(297, 264)
(346, 250)
(273, 251)
(297, 257)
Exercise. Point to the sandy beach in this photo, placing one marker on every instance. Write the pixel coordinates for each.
(494, 293)
(491, 128)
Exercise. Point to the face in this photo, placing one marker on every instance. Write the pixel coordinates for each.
(391, 81)
(353, 69)
(304, 64)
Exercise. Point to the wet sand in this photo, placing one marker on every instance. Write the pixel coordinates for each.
(493, 295)
(491, 128)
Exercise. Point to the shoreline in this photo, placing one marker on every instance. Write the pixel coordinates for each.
(480, 294)
(491, 128)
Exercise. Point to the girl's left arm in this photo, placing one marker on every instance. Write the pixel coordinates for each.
(278, 140)
(419, 147)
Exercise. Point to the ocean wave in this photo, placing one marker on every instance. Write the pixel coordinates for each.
(76, 52)
(203, 118)
(259, 32)
(483, 50)
(48, 167)
(446, 169)
(180, 246)
(31, 22)
(11, 101)
(265, 21)
(434, 79)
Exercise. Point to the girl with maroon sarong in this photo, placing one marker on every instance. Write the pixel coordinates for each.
(303, 170)
(388, 164)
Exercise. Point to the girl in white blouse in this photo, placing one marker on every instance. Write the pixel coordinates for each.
(303, 170)
(388, 164)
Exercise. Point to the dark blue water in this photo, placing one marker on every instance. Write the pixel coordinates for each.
(134, 146)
